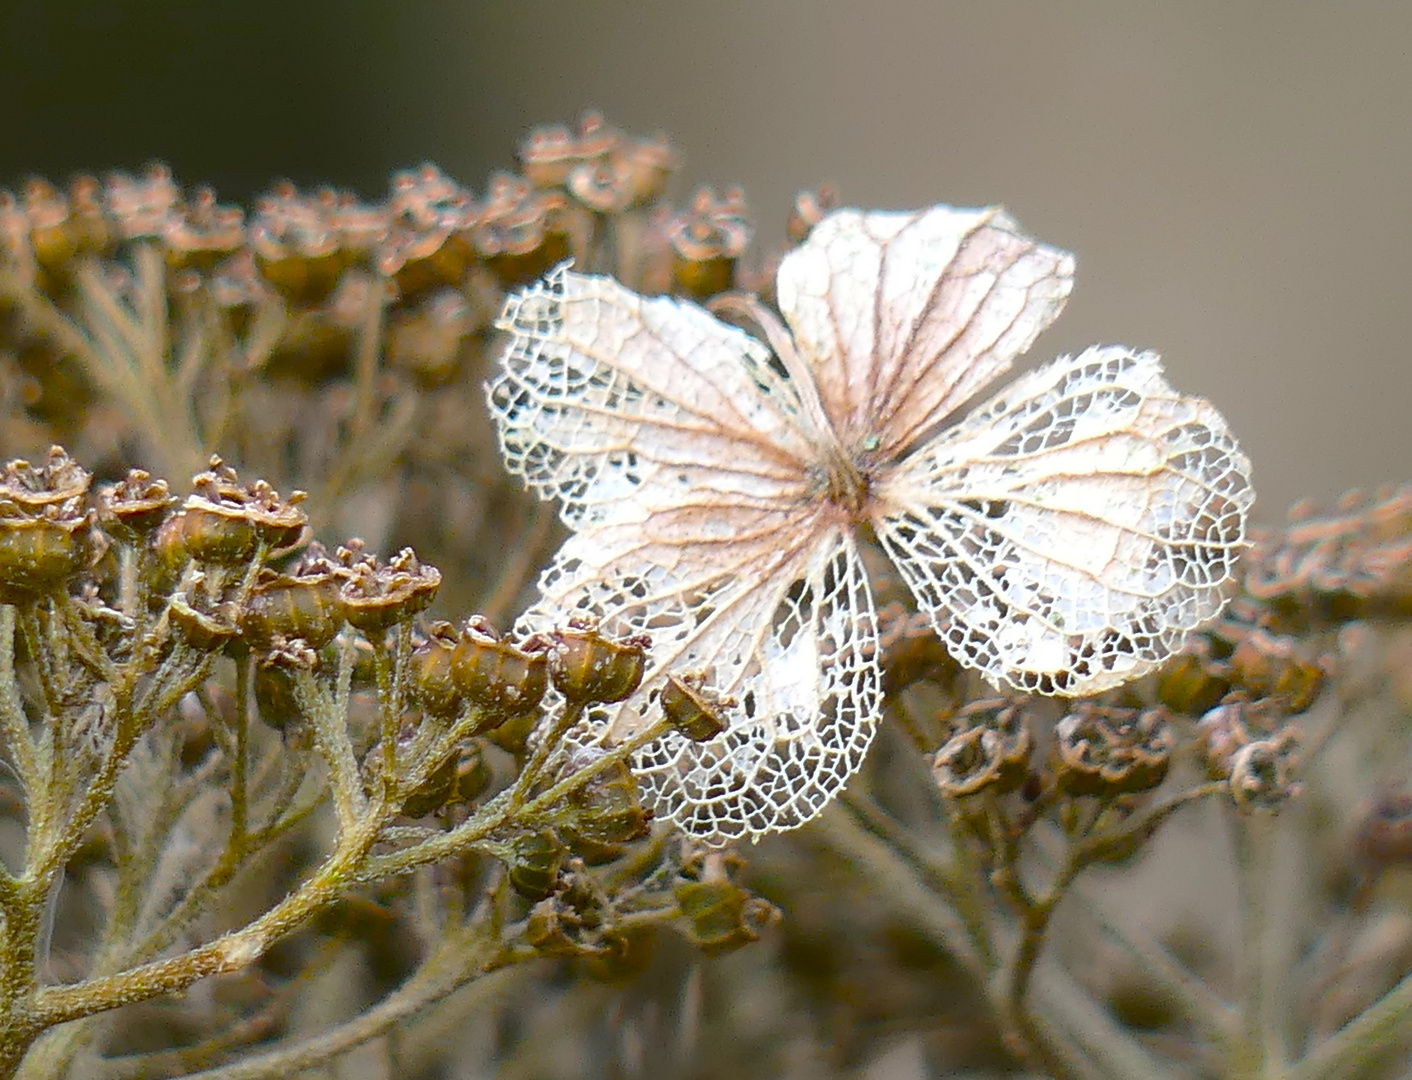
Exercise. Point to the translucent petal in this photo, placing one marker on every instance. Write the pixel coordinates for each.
(616, 404)
(905, 316)
(780, 617)
(1067, 534)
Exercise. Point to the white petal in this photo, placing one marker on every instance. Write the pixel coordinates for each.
(905, 316)
(1067, 534)
(616, 404)
(782, 619)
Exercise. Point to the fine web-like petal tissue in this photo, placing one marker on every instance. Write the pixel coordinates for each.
(1063, 536)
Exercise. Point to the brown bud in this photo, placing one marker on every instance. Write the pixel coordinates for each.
(721, 916)
(707, 241)
(275, 697)
(502, 679)
(223, 520)
(587, 667)
(298, 605)
(59, 480)
(1107, 751)
(1266, 666)
(547, 154)
(533, 861)
(42, 548)
(990, 749)
(607, 809)
(1262, 773)
(434, 792)
(205, 631)
(132, 509)
(695, 712)
(376, 596)
(1193, 681)
(435, 687)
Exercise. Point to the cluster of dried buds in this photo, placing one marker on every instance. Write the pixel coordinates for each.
(1353, 561)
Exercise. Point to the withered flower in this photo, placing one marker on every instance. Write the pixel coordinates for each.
(1267, 666)
(990, 749)
(204, 232)
(203, 629)
(522, 230)
(45, 531)
(376, 595)
(693, 710)
(587, 667)
(59, 480)
(432, 678)
(223, 521)
(504, 680)
(144, 208)
(1106, 751)
(132, 509)
(297, 245)
(721, 916)
(707, 241)
(1262, 773)
(303, 603)
(607, 810)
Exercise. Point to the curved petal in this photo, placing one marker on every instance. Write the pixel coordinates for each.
(1067, 534)
(616, 404)
(780, 617)
(905, 316)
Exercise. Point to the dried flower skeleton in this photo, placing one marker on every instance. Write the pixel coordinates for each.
(1063, 537)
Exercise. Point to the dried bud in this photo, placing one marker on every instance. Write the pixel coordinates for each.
(502, 680)
(145, 208)
(204, 233)
(989, 750)
(1193, 681)
(435, 686)
(41, 552)
(549, 929)
(607, 809)
(302, 604)
(587, 667)
(810, 208)
(648, 164)
(1107, 751)
(521, 234)
(694, 711)
(375, 595)
(1234, 724)
(722, 916)
(204, 631)
(132, 509)
(59, 480)
(426, 247)
(707, 241)
(297, 245)
(275, 697)
(1262, 773)
(533, 861)
(547, 154)
(223, 521)
(1277, 667)
(435, 792)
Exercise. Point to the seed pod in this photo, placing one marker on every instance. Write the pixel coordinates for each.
(1262, 773)
(548, 929)
(990, 749)
(376, 596)
(1267, 666)
(533, 861)
(607, 810)
(503, 680)
(1107, 751)
(586, 667)
(203, 631)
(224, 520)
(432, 680)
(133, 509)
(707, 241)
(58, 481)
(547, 154)
(1193, 681)
(435, 792)
(275, 697)
(695, 712)
(300, 605)
(721, 916)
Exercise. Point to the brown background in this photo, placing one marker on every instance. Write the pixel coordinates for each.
(1234, 178)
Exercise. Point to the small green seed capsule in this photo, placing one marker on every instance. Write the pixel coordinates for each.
(534, 860)
(587, 667)
(503, 680)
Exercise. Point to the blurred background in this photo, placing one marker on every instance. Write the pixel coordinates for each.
(1234, 179)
